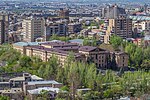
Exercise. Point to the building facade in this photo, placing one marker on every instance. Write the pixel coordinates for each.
(74, 28)
(111, 12)
(62, 50)
(58, 28)
(64, 14)
(2, 32)
(4, 24)
(33, 29)
(121, 26)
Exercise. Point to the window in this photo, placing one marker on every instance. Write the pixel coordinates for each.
(99, 65)
(121, 25)
(96, 56)
(123, 57)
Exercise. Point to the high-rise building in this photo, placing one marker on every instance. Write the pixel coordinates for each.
(121, 26)
(34, 28)
(58, 28)
(64, 14)
(113, 11)
(74, 27)
(4, 25)
(2, 32)
(145, 8)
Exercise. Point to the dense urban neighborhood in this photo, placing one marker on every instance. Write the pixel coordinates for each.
(74, 50)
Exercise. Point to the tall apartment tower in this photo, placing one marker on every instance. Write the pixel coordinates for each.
(4, 25)
(34, 28)
(58, 28)
(2, 32)
(120, 26)
(113, 11)
(64, 13)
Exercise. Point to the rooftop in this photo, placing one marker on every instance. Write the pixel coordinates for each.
(138, 18)
(18, 79)
(87, 48)
(4, 83)
(26, 43)
(38, 91)
(54, 50)
(34, 77)
(58, 44)
(147, 37)
(78, 41)
(43, 82)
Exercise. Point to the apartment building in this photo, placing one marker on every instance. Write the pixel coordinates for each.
(74, 28)
(142, 26)
(33, 29)
(58, 28)
(112, 11)
(121, 26)
(4, 24)
(138, 42)
(64, 13)
(2, 32)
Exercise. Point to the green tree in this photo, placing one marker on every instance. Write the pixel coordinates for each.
(91, 76)
(146, 64)
(25, 61)
(54, 37)
(116, 41)
(41, 71)
(92, 95)
(86, 42)
(4, 98)
(52, 67)
(73, 79)
(138, 57)
(147, 53)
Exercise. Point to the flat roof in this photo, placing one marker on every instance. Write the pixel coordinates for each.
(26, 43)
(34, 77)
(139, 18)
(147, 37)
(43, 82)
(38, 90)
(18, 79)
(58, 44)
(79, 41)
(53, 50)
(4, 83)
